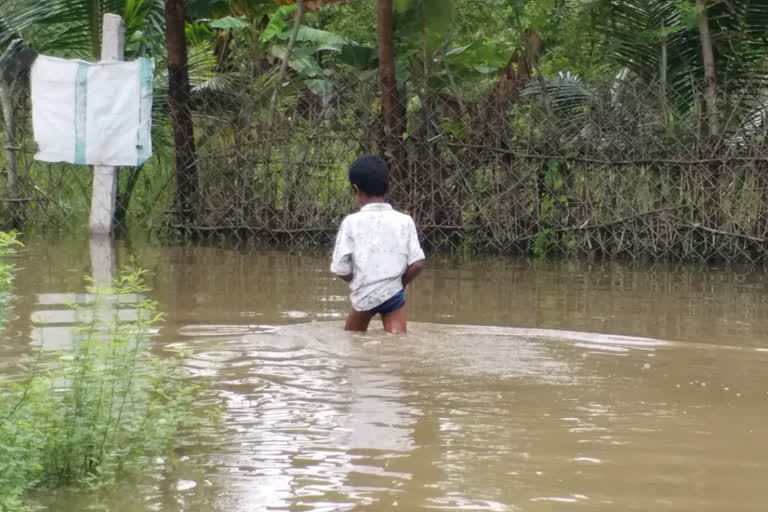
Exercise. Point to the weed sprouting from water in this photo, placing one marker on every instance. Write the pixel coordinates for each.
(8, 244)
(104, 410)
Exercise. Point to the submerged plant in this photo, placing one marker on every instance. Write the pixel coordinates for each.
(8, 244)
(106, 409)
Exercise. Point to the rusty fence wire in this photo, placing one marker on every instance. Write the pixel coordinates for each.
(548, 168)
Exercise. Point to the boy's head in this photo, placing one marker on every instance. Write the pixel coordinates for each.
(369, 177)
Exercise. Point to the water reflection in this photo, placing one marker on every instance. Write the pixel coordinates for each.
(56, 316)
(103, 252)
(323, 420)
(300, 411)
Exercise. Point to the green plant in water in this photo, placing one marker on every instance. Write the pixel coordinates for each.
(542, 243)
(8, 244)
(11, 478)
(104, 410)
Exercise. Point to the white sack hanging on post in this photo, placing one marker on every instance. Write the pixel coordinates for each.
(92, 114)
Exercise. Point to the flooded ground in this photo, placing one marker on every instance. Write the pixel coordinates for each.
(521, 386)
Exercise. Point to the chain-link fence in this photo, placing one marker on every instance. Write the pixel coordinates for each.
(551, 167)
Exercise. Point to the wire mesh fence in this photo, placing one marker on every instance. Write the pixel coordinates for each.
(554, 168)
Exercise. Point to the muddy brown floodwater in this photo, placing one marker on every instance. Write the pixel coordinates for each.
(522, 386)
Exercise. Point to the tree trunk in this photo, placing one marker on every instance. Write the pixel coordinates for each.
(663, 64)
(710, 82)
(179, 92)
(392, 109)
(6, 102)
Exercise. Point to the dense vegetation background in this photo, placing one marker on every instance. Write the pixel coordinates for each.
(610, 127)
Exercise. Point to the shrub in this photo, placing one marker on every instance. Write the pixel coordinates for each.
(106, 409)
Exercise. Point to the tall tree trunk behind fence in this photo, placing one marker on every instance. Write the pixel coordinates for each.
(181, 116)
(710, 81)
(6, 101)
(391, 106)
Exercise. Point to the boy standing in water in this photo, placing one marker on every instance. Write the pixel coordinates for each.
(377, 251)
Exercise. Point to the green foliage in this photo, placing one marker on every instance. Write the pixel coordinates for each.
(277, 23)
(104, 410)
(543, 242)
(567, 95)
(8, 245)
(572, 37)
(423, 25)
(229, 23)
(72, 28)
(202, 9)
(639, 29)
(355, 21)
(583, 93)
(144, 28)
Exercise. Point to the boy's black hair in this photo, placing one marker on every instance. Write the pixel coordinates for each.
(371, 175)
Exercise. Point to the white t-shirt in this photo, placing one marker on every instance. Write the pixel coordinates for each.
(376, 246)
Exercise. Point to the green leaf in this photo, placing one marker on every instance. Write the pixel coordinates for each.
(401, 5)
(414, 104)
(312, 35)
(330, 47)
(300, 61)
(229, 23)
(197, 9)
(360, 57)
(277, 23)
(457, 51)
(487, 55)
(485, 70)
(438, 17)
(402, 71)
(368, 75)
(319, 86)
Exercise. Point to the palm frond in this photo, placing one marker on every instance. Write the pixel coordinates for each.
(61, 27)
(567, 94)
(641, 31)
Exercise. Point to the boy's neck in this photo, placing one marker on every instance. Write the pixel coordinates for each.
(372, 200)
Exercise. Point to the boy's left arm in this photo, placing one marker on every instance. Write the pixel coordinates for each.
(341, 261)
(416, 258)
(414, 269)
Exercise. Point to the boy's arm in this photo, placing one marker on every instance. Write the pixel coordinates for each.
(414, 269)
(416, 258)
(341, 261)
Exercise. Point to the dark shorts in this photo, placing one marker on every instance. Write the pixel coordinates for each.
(391, 305)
